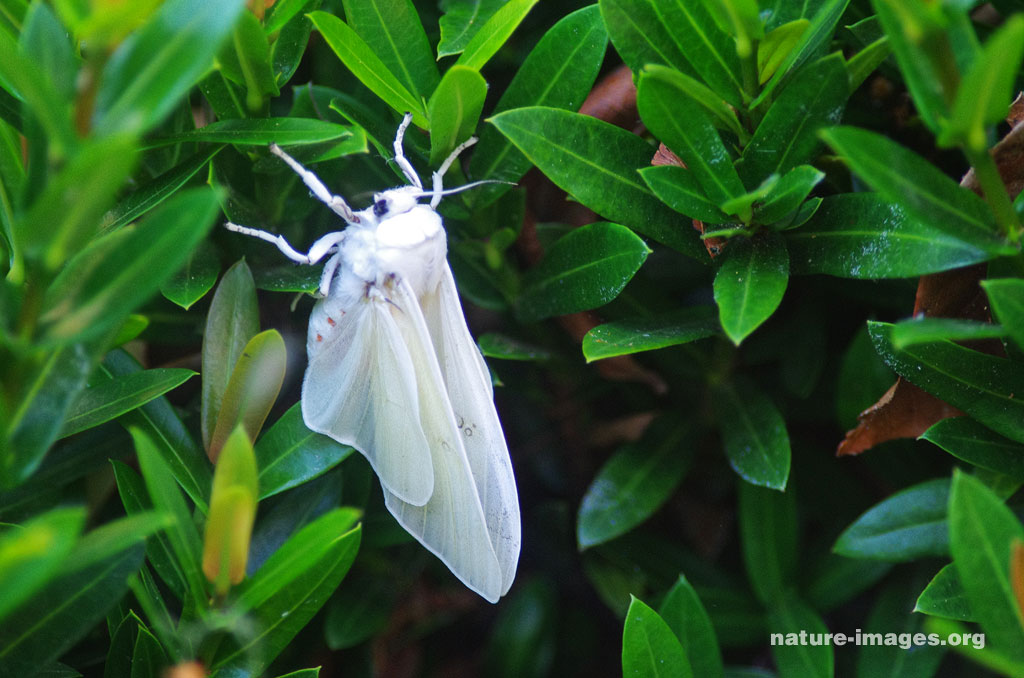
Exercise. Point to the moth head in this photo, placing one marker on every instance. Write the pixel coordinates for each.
(395, 201)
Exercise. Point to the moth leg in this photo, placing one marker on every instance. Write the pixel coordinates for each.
(317, 252)
(335, 202)
(439, 174)
(400, 158)
(330, 268)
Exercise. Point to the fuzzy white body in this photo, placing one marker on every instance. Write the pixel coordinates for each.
(394, 372)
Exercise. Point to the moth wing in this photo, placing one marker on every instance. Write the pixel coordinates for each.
(359, 389)
(452, 524)
(469, 389)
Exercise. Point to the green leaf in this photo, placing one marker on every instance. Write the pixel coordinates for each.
(921, 189)
(788, 134)
(245, 60)
(1006, 296)
(768, 529)
(968, 440)
(150, 72)
(596, 163)
(46, 42)
(503, 347)
(252, 389)
(359, 610)
(232, 321)
(195, 278)
(116, 273)
(776, 46)
(908, 525)
(182, 534)
(926, 330)
(110, 398)
(862, 376)
(288, 49)
(787, 194)
(454, 110)
(863, 63)
(792, 617)
(648, 334)
(289, 454)
(114, 537)
(634, 483)
(392, 29)
(981, 530)
(649, 648)
(149, 658)
(685, 615)
(641, 36)
(493, 34)
(557, 73)
(981, 385)
(944, 597)
(290, 588)
(186, 460)
(837, 580)
(66, 215)
(31, 554)
(754, 434)
(462, 20)
(750, 283)
(59, 616)
(677, 188)
(680, 122)
(359, 58)
(860, 235)
(154, 192)
(280, 13)
(586, 268)
(263, 131)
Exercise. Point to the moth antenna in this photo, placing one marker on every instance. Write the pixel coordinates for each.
(464, 187)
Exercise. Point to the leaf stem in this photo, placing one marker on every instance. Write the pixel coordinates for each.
(994, 191)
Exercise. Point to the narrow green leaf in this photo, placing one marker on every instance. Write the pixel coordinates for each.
(768, 529)
(454, 110)
(596, 163)
(908, 525)
(788, 193)
(111, 398)
(66, 215)
(232, 321)
(861, 235)
(154, 192)
(261, 132)
(149, 73)
(641, 37)
(359, 58)
(195, 278)
(32, 85)
(649, 648)
(754, 434)
(289, 454)
(503, 347)
(921, 189)
(1007, 298)
(149, 658)
(788, 135)
(750, 284)
(945, 597)
(46, 42)
(926, 330)
(291, 587)
(116, 273)
(792, 618)
(252, 389)
(981, 530)
(685, 615)
(863, 63)
(776, 46)
(680, 122)
(392, 29)
(677, 188)
(245, 59)
(493, 34)
(173, 441)
(585, 269)
(968, 440)
(288, 49)
(182, 535)
(633, 484)
(838, 580)
(647, 334)
(981, 385)
(558, 73)
(358, 611)
(114, 537)
(462, 20)
(122, 643)
(56, 618)
(32, 553)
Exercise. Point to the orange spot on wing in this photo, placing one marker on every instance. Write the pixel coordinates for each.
(319, 338)
(330, 321)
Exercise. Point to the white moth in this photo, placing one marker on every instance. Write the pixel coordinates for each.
(394, 372)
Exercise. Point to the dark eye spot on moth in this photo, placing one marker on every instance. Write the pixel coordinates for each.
(380, 208)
